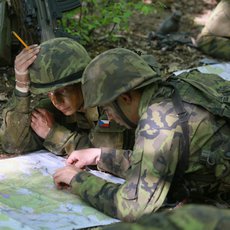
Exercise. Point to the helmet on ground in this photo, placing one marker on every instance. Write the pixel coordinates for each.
(114, 72)
(60, 62)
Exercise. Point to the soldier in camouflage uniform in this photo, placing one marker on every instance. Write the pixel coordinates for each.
(59, 123)
(138, 97)
(214, 39)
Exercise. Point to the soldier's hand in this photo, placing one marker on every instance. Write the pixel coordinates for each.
(82, 158)
(22, 62)
(41, 122)
(63, 176)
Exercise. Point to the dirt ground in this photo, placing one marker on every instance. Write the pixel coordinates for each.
(194, 15)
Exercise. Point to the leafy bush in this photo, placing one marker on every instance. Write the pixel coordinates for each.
(105, 18)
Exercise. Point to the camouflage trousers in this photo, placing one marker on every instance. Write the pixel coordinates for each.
(217, 47)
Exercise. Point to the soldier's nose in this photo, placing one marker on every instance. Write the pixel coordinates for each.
(109, 116)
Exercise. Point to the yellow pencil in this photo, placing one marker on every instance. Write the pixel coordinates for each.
(23, 43)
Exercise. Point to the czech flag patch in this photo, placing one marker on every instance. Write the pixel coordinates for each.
(103, 123)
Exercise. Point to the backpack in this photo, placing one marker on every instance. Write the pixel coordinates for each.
(206, 90)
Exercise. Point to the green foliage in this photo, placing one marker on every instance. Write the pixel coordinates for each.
(104, 18)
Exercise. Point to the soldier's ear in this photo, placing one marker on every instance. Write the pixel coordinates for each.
(126, 98)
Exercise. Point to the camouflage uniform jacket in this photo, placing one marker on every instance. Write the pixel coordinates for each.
(68, 133)
(149, 169)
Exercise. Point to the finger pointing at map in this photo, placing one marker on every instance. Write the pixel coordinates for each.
(84, 157)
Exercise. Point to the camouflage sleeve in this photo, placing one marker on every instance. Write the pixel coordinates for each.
(114, 161)
(18, 137)
(62, 141)
(144, 191)
(215, 46)
(148, 177)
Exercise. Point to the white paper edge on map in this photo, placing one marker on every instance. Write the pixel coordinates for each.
(59, 162)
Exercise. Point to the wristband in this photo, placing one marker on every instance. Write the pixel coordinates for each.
(22, 89)
(20, 73)
(27, 83)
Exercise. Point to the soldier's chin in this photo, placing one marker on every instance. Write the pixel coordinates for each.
(67, 112)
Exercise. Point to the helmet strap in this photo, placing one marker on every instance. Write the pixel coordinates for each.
(122, 115)
(70, 78)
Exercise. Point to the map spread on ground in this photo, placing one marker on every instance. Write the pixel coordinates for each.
(29, 200)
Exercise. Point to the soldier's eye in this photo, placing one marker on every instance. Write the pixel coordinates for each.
(58, 93)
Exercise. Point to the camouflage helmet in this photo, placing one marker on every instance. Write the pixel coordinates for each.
(114, 72)
(60, 62)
